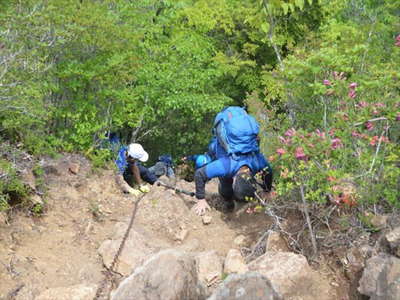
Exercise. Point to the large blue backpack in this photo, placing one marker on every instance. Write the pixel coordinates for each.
(236, 131)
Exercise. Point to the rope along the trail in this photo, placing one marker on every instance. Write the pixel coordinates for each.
(109, 272)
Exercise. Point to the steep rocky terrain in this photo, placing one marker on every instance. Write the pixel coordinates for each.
(64, 253)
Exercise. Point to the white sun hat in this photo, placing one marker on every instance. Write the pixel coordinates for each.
(136, 151)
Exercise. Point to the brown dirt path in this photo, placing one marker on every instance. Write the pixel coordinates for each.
(60, 248)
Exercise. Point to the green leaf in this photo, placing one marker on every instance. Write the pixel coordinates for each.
(265, 27)
(300, 4)
(285, 8)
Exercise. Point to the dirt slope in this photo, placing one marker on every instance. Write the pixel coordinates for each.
(60, 248)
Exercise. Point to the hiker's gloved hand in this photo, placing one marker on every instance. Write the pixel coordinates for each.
(201, 207)
(144, 188)
(134, 192)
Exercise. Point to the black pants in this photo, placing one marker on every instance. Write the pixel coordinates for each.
(240, 188)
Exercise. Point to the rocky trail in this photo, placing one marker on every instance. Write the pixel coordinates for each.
(170, 252)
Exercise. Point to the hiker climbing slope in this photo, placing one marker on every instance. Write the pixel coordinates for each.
(131, 172)
(237, 159)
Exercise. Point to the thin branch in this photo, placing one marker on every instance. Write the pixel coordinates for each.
(376, 152)
(371, 120)
(312, 236)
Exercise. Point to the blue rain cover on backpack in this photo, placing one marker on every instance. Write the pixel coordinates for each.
(236, 131)
(121, 159)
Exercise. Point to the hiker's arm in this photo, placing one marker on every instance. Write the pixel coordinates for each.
(123, 185)
(214, 169)
(136, 173)
(146, 174)
(200, 179)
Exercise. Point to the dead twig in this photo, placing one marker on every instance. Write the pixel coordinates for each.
(376, 152)
(258, 247)
(371, 120)
(312, 236)
(12, 294)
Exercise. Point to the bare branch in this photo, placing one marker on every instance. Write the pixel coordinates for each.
(371, 120)
(376, 152)
(312, 236)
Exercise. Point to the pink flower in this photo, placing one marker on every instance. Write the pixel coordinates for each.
(397, 41)
(284, 141)
(398, 116)
(332, 131)
(327, 82)
(355, 134)
(379, 104)
(320, 133)
(281, 151)
(336, 143)
(376, 138)
(362, 104)
(290, 132)
(352, 94)
(353, 85)
(375, 112)
(369, 126)
(331, 178)
(299, 154)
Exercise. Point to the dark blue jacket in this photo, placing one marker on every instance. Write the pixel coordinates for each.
(227, 167)
(124, 167)
(145, 173)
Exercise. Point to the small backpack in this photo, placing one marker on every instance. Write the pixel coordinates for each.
(236, 131)
(163, 166)
(167, 159)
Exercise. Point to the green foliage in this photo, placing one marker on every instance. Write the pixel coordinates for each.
(158, 71)
(100, 157)
(340, 90)
(39, 173)
(12, 189)
(37, 210)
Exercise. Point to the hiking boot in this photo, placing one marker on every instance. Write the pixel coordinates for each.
(229, 206)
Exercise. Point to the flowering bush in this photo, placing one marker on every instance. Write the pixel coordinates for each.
(340, 143)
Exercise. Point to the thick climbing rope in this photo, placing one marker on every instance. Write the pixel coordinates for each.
(109, 273)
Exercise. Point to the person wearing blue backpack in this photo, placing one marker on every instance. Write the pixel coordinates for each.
(132, 174)
(237, 159)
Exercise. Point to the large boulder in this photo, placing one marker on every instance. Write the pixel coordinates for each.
(234, 262)
(248, 286)
(209, 267)
(292, 277)
(381, 278)
(167, 275)
(137, 248)
(393, 239)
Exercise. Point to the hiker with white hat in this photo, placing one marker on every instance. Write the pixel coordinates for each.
(132, 174)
